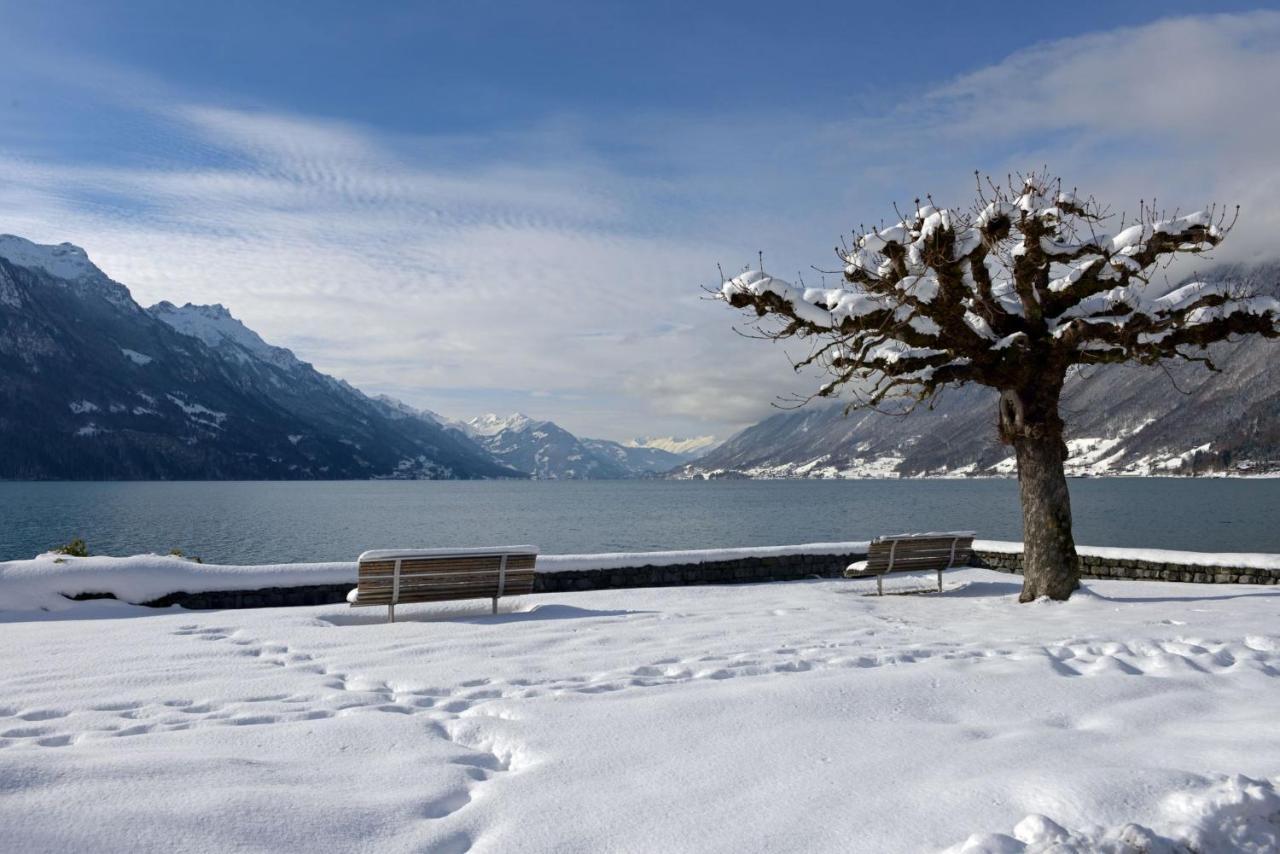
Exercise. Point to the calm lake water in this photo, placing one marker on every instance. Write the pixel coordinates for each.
(256, 522)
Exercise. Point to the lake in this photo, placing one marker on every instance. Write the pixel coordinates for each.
(264, 522)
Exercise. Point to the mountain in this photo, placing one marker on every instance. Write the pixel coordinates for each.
(639, 461)
(549, 452)
(1176, 419)
(688, 448)
(93, 386)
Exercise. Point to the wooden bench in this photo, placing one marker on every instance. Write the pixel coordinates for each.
(907, 552)
(392, 577)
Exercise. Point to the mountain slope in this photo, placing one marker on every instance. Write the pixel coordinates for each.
(92, 386)
(689, 448)
(1174, 419)
(549, 452)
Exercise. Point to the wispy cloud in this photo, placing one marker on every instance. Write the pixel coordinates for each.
(567, 257)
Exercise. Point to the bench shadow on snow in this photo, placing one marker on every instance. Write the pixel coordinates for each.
(928, 588)
(538, 613)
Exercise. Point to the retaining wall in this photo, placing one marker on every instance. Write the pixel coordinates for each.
(1093, 566)
(740, 570)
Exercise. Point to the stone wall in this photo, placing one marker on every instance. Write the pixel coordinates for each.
(740, 571)
(268, 597)
(1092, 566)
(743, 570)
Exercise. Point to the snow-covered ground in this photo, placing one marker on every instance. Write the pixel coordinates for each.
(798, 716)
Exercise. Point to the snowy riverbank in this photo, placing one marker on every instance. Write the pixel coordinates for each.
(790, 717)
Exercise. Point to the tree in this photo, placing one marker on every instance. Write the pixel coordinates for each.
(1013, 294)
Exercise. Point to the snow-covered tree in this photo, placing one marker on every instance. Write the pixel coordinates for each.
(1013, 293)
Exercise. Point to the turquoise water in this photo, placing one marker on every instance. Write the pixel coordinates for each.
(257, 522)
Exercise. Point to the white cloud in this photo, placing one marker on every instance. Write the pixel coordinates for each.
(450, 271)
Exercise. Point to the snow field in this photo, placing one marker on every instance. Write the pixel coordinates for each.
(786, 717)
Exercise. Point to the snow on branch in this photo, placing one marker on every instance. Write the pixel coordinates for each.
(948, 296)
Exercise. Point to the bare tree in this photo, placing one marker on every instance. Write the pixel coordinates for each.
(1011, 294)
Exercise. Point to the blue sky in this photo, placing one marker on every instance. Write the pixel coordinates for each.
(523, 200)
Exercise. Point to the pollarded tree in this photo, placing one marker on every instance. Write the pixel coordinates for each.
(1011, 294)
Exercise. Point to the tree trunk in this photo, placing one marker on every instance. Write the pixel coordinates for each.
(1030, 420)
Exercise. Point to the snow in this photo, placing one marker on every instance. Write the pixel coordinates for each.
(788, 717)
(40, 583)
(673, 444)
(215, 326)
(823, 307)
(65, 261)
(44, 582)
(405, 410)
(136, 357)
(392, 554)
(1064, 242)
(818, 468)
(1009, 340)
(1235, 813)
(198, 411)
(491, 424)
(80, 407)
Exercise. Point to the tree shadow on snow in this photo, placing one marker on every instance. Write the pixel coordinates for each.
(538, 613)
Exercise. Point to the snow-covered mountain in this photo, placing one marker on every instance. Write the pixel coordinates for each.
(399, 409)
(92, 386)
(688, 448)
(1175, 419)
(492, 425)
(214, 325)
(547, 451)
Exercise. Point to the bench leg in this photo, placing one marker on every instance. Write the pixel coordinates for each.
(495, 604)
(879, 585)
(391, 613)
(939, 581)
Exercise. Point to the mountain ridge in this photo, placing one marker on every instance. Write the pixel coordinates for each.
(93, 386)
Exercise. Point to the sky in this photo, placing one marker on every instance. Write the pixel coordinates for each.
(498, 207)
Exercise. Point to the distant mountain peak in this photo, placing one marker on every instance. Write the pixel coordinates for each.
(673, 444)
(63, 260)
(406, 410)
(216, 326)
(491, 424)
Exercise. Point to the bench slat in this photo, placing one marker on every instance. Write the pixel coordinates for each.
(410, 589)
(393, 578)
(914, 553)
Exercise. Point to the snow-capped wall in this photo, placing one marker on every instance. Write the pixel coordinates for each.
(1147, 564)
(50, 581)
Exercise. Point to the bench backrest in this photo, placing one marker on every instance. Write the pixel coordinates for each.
(920, 551)
(434, 575)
